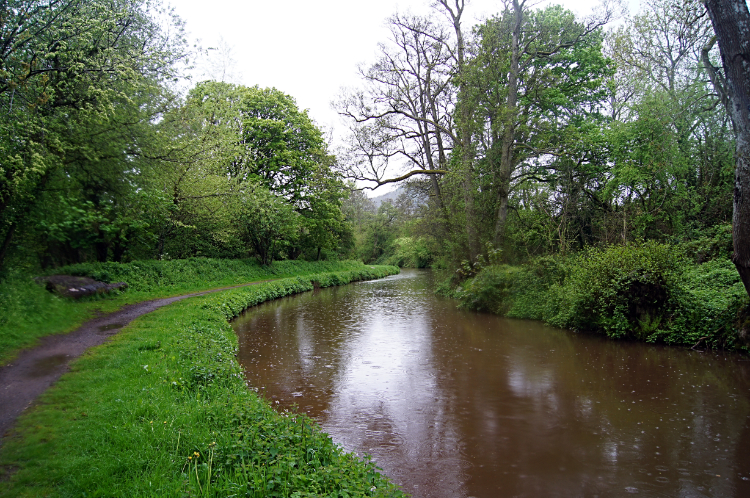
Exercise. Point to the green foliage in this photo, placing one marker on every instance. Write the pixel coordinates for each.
(81, 83)
(411, 252)
(647, 292)
(715, 242)
(515, 291)
(491, 289)
(163, 410)
(611, 289)
(149, 275)
(708, 301)
(331, 279)
(28, 311)
(267, 222)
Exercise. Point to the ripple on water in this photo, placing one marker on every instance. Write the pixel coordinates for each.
(453, 403)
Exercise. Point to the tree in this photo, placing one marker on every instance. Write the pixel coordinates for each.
(663, 136)
(72, 70)
(264, 136)
(267, 222)
(731, 22)
(255, 137)
(405, 109)
(536, 79)
(464, 117)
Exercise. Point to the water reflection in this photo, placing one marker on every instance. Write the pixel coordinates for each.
(454, 403)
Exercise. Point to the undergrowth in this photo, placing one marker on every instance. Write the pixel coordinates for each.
(163, 410)
(651, 292)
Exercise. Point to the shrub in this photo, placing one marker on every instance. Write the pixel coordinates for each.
(707, 303)
(492, 289)
(621, 290)
(648, 292)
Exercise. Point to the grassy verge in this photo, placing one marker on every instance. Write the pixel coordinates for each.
(28, 312)
(163, 410)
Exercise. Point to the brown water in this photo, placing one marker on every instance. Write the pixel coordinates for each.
(461, 404)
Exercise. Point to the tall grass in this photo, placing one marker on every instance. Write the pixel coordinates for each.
(28, 312)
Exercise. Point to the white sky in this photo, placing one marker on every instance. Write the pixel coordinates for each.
(311, 49)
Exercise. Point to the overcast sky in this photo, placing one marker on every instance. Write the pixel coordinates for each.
(310, 49)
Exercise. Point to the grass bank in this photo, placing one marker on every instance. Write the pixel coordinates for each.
(28, 312)
(650, 292)
(163, 410)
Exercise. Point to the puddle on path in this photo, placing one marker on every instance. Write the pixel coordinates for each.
(48, 365)
(111, 326)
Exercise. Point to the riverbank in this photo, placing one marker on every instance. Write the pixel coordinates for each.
(163, 410)
(28, 312)
(454, 403)
(648, 292)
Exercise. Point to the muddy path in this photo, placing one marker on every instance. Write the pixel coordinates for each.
(36, 369)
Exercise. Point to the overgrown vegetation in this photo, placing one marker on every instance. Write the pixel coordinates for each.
(572, 171)
(651, 292)
(163, 410)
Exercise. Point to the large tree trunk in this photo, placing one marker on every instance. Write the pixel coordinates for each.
(464, 128)
(731, 22)
(509, 128)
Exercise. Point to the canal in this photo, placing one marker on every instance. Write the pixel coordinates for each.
(453, 403)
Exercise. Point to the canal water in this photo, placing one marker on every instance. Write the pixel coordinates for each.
(452, 403)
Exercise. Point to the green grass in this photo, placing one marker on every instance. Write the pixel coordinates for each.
(163, 410)
(28, 312)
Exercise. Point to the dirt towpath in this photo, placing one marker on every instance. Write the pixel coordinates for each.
(36, 369)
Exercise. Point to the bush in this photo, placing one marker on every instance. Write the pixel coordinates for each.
(707, 303)
(411, 253)
(493, 289)
(514, 291)
(712, 243)
(648, 292)
(621, 290)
